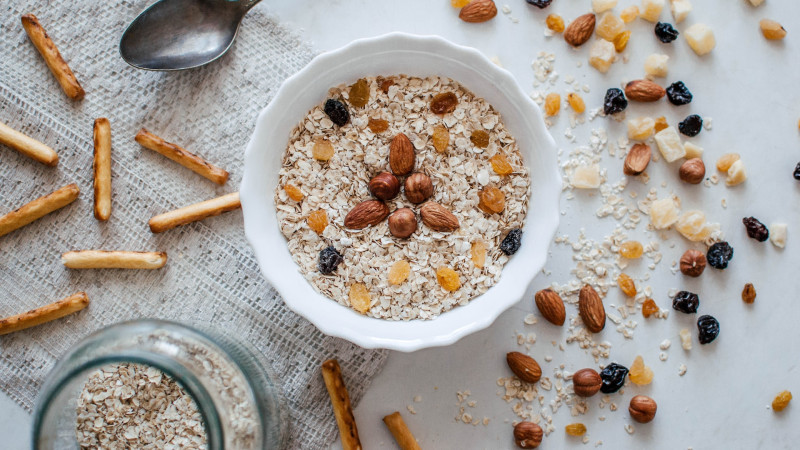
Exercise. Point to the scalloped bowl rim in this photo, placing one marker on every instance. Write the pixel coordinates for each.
(309, 87)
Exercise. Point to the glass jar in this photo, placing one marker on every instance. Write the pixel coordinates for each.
(231, 384)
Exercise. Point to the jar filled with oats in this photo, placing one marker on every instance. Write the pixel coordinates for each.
(152, 384)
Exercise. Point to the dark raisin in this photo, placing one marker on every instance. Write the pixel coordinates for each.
(691, 125)
(329, 259)
(541, 4)
(337, 112)
(719, 255)
(613, 376)
(666, 32)
(708, 328)
(615, 101)
(686, 302)
(678, 94)
(511, 242)
(756, 229)
(797, 172)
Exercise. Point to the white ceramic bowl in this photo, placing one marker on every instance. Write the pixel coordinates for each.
(391, 54)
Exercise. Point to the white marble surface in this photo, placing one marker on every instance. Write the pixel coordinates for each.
(748, 86)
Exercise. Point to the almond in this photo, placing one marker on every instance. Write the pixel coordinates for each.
(644, 91)
(580, 30)
(637, 160)
(590, 308)
(437, 217)
(370, 212)
(551, 306)
(478, 11)
(586, 382)
(524, 367)
(401, 155)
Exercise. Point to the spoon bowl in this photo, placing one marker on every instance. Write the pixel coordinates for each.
(182, 34)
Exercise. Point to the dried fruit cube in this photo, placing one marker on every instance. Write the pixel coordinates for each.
(663, 213)
(459, 3)
(651, 10)
(552, 104)
(378, 125)
(626, 285)
(756, 2)
(686, 339)
(661, 123)
(641, 128)
(621, 41)
(500, 165)
(359, 93)
(359, 298)
(448, 279)
(700, 38)
(726, 161)
(669, 144)
(555, 23)
(399, 272)
(441, 138)
(631, 249)
(781, 401)
(586, 177)
(649, 308)
(639, 373)
(599, 6)
(478, 253)
(736, 174)
(692, 150)
(692, 225)
(602, 55)
(575, 429)
(680, 9)
(629, 14)
(318, 221)
(609, 26)
(322, 150)
(655, 65)
(777, 234)
(576, 102)
(480, 138)
(491, 200)
(293, 192)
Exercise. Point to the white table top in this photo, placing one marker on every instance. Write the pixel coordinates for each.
(748, 86)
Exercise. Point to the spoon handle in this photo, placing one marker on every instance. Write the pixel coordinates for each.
(248, 4)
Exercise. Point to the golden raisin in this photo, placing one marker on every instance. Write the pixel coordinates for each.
(318, 220)
(378, 125)
(661, 123)
(576, 102)
(359, 298)
(627, 285)
(555, 23)
(359, 93)
(621, 41)
(448, 279)
(293, 192)
(491, 200)
(386, 84)
(399, 272)
(749, 293)
(781, 401)
(575, 429)
(639, 373)
(322, 150)
(478, 253)
(444, 103)
(459, 3)
(441, 138)
(500, 165)
(649, 308)
(552, 104)
(631, 249)
(726, 161)
(480, 138)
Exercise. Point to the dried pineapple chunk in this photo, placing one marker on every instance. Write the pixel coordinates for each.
(586, 177)
(701, 38)
(669, 144)
(602, 55)
(663, 213)
(651, 10)
(641, 128)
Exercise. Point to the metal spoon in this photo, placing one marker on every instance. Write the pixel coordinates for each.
(182, 34)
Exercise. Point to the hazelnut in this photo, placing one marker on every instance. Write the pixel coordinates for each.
(642, 408)
(527, 435)
(418, 188)
(384, 186)
(693, 263)
(693, 171)
(402, 223)
(586, 382)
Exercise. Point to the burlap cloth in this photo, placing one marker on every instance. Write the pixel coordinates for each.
(211, 276)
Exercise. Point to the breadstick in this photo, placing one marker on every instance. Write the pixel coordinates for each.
(38, 208)
(102, 259)
(27, 146)
(193, 213)
(181, 156)
(44, 314)
(102, 169)
(52, 57)
(400, 431)
(332, 374)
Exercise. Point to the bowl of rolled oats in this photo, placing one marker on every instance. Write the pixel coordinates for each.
(387, 189)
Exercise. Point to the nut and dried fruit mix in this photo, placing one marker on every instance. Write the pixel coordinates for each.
(402, 197)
